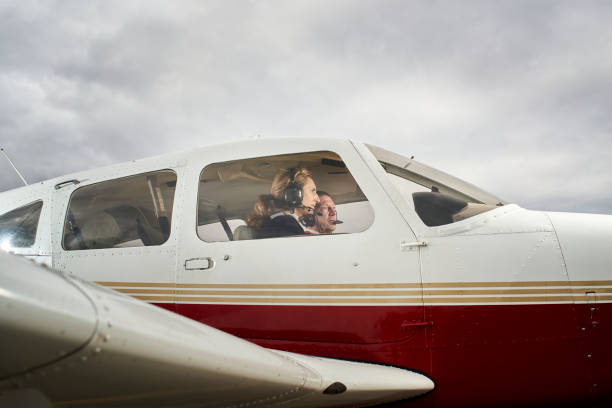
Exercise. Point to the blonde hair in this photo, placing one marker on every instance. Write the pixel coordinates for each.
(273, 202)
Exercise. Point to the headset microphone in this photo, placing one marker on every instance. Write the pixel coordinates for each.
(308, 220)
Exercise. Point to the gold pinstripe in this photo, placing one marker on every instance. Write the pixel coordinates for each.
(374, 293)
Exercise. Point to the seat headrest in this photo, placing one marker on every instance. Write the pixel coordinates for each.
(101, 231)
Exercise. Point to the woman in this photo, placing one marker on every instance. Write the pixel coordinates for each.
(289, 207)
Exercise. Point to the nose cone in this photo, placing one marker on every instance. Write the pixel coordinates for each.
(586, 243)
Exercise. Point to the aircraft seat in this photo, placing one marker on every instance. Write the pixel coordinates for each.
(102, 231)
(243, 232)
(133, 218)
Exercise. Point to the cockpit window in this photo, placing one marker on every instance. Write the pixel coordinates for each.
(18, 227)
(278, 196)
(438, 198)
(127, 212)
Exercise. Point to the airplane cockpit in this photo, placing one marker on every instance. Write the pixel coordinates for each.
(228, 190)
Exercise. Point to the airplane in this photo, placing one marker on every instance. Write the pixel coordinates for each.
(148, 283)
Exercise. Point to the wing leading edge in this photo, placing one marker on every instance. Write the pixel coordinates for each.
(69, 342)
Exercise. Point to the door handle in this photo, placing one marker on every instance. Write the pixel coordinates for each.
(195, 264)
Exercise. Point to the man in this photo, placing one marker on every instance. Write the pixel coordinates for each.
(325, 215)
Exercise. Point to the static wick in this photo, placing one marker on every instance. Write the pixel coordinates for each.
(10, 161)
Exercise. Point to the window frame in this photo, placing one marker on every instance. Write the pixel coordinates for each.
(36, 230)
(143, 172)
(287, 154)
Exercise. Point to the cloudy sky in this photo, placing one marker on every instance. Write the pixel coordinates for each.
(513, 96)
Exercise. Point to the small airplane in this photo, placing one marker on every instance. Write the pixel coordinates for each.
(205, 278)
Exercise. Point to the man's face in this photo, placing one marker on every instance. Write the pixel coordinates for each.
(325, 223)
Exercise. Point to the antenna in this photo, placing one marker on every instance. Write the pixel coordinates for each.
(10, 161)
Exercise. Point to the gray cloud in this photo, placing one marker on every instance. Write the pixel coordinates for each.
(512, 96)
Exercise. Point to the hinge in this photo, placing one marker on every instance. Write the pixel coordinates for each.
(408, 246)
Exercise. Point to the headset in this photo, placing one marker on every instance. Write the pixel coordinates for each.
(293, 196)
(293, 193)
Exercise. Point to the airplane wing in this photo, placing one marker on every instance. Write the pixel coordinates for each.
(66, 342)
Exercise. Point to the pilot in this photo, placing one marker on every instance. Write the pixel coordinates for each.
(325, 215)
(289, 208)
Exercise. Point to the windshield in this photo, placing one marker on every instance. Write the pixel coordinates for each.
(437, 197)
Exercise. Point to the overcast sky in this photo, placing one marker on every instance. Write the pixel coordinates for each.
(513, 96)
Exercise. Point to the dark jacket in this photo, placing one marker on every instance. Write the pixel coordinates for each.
(279, 226)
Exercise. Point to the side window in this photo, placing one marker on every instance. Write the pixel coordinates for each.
(302, 194)
(127, 212)
(18, 227)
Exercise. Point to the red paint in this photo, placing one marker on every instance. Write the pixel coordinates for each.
(335, 324)
(477, 355)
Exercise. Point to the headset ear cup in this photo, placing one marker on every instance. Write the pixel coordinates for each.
(308, 220)
(293, 195)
